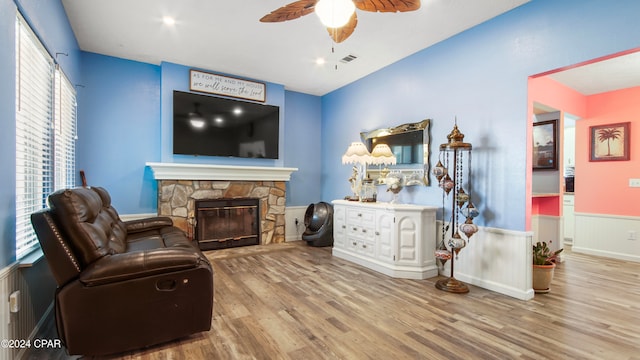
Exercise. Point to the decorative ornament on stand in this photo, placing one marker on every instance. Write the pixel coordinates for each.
(446, 183)
(452, 174)
(358, 155)
(395, 183)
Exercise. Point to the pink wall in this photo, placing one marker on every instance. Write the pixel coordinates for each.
(603, 187)
(547, 205)
(546, 91)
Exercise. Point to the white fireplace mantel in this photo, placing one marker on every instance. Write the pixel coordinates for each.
(182, 171)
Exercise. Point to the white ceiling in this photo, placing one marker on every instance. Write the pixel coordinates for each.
(227, 37)
(615, 73)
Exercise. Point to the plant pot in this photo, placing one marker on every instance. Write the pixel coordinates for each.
(542, 276)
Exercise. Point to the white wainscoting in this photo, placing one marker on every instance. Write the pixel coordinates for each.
(550, 229)
(498, 260)
(24, 324)
(292, 231)
(607, 235)
(6, 288)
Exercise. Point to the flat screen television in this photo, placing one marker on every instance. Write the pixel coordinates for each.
(215, 126)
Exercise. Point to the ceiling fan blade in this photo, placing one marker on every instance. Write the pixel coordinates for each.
(290, 11)
(342, 33)
(387, 5)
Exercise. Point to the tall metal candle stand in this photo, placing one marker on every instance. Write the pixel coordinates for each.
(452, 173)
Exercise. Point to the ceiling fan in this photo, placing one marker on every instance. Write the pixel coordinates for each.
(340, 31)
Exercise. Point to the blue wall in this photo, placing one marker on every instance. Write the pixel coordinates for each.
(125, 120)
(8, 133)
(303, 147)
(48, 20)
(119, 129)
(480, 77)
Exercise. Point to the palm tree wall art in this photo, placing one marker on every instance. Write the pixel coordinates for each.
(610, 142)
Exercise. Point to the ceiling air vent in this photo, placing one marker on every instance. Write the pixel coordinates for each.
(349, 58)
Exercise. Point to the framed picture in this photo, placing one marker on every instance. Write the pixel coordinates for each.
(609, 142)
(545, 145)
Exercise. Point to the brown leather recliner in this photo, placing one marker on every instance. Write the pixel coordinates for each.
(121, 285)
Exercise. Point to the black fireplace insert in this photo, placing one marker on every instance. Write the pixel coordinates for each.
(225, 223)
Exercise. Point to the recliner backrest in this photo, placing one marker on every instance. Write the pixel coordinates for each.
(89, 223)
(63, 263)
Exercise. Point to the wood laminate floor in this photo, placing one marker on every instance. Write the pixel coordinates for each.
(292, 301)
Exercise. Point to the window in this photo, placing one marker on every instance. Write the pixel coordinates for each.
(45, 132)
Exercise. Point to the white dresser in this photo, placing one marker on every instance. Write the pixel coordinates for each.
(398, 240)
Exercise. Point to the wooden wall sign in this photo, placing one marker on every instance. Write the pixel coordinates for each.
(225, 85)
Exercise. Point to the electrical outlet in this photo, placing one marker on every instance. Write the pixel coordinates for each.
(634, 182)
(632, 235)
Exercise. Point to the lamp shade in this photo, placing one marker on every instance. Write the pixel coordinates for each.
(356, 153)
(382, 155)
(334, 13)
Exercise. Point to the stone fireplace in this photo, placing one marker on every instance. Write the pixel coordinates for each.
(177, 200)
(180, 186)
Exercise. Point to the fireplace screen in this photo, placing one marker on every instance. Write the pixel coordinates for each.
(224, 223)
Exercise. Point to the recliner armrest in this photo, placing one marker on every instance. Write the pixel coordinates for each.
(151, 223)
(121, 267)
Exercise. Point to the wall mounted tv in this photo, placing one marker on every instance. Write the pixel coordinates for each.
(215, 126)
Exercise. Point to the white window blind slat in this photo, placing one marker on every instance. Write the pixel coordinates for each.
(65, 132)
(45, 158)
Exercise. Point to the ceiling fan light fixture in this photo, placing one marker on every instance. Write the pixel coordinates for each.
(197, 123)
(195, 118)
(335, 13)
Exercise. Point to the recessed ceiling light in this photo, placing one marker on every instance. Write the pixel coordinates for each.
(237, 111)
(320, 61)
(168, 20)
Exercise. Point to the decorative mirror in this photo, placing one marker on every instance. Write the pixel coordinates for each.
(410, 146)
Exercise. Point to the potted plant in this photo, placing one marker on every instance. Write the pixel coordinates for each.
(544, 263)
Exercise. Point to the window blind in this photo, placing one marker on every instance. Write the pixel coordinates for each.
(45, 132)
(65, 132)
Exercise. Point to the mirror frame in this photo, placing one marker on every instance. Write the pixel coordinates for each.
(405, 169)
